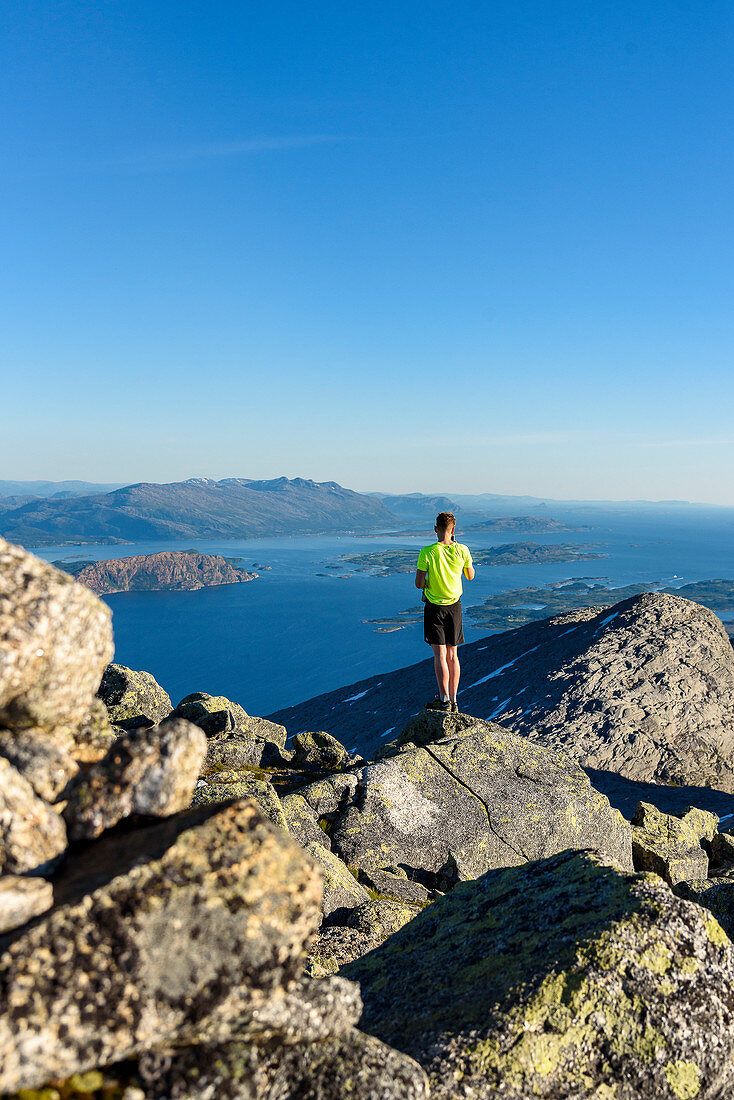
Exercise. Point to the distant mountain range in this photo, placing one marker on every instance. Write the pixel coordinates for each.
(197, 508)
(55, 488)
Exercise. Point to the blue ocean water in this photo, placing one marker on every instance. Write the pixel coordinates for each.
(294, 633)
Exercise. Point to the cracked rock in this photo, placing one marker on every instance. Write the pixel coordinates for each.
(471, 797)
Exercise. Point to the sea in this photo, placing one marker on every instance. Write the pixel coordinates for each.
(302, 627)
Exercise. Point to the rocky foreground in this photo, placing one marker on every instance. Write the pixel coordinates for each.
(193, 905)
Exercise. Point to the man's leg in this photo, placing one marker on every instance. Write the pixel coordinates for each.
(442, 669)
(454, 670)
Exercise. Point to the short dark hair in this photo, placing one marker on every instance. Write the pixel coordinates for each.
(444, 520)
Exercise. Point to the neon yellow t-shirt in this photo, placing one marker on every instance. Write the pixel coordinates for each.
(444, 563)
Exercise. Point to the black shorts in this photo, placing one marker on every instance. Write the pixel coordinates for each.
(442, 623)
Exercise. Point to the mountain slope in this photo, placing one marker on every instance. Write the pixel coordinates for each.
(644, 689)
(197, 508)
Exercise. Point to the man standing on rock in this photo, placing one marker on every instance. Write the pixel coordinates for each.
(439, 573)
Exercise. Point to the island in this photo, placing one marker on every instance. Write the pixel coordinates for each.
(508, 610)
(168, 571)
(535, 524)
(519, 606)
(389, 562)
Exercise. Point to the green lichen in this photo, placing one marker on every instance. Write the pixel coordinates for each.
(716, 933)
(684, 1079)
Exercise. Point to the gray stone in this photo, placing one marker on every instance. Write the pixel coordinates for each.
(55, 640)
(379, 918)
(32, 835)
(318, 751)
(333, 947)
(232, 751)
(351, 1065)
(395, 887)
(175, 933)
(146, 771)
(96, 733)
(342, 892)
(302, 822)
(40, 759)
(21, 898)
(133, 699)
(669, 846)
(226, 785)
(715, 894)
(562, 979)
(214, 714)
(722, 850)
(473, 798)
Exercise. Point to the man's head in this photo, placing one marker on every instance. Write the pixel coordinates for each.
(445, 521)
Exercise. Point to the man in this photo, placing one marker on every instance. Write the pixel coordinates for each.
(439, 573)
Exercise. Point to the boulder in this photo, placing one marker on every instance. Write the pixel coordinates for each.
(40, 759)
(226, 785)
(715, 894)
(96, 733)
(176, 933)
(469, 800)
(146, 771)
(32, 835)
(395, 887)
(21, 898)
(293, 1060)
(318, 752)
(564, 978)
(342, 892)
(214, 714)
(55, 641)
(333, 947)
(722, 850)
(302, 822)
(133, 699)
(669, 846)
(379, 918)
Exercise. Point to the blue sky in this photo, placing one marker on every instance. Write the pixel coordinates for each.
(435, 246)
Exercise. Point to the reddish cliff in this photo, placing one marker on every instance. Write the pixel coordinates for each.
(169, 570)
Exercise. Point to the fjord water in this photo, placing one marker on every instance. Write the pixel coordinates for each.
(294, 632)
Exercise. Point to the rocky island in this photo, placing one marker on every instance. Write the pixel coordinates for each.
(390, 562)
(196, 906)
(168, 571)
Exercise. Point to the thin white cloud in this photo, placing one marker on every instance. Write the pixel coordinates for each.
(161, 159)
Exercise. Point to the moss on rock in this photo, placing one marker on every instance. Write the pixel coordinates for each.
(563, 978)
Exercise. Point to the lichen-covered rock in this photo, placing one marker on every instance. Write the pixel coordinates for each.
(333, 947)
(225, 785)
(342, 892)
(32, 835)
(96, 733)
(715, 894)
(318, 752)
(478, 798)
(39, 758)
(379, 918)
(352, 1065)
(722, 850)
(146, 771)
(561, 979)
(21, 898)
(302, 822)
(133, 699)
(395, 887)
(232, 751)
(214, 714)
(669, 846)
(55, 640)
(175, 933)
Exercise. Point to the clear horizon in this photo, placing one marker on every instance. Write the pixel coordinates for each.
(474, 245)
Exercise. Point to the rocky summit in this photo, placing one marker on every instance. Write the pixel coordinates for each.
(194, 906)
(644, 689)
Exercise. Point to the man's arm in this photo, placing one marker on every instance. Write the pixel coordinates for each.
(469, 572)
(420, 578)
